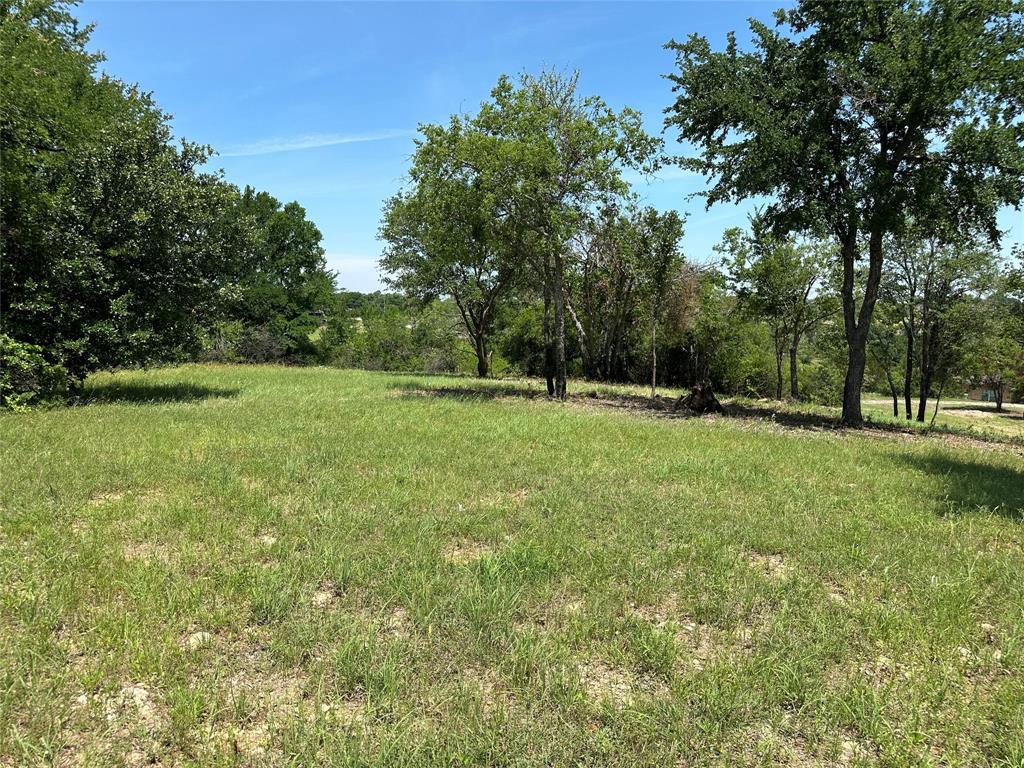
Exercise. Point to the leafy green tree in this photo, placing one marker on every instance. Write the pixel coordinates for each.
(556, 157)
(778, 280)
(852, 113)
(603, 291)
(996, 353)
(446, 235)
(283, 292)
(659, 261)
(114, 240)
(887, 344)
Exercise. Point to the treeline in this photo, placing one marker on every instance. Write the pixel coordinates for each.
(886, 150)
(118, 248)
(517, 243)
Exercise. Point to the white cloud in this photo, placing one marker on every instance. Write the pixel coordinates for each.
(309, 141)
(356, 273)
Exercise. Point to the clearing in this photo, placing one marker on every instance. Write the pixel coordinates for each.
(217, 565)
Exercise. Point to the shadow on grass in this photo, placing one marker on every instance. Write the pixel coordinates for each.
(477, 391)
(665, 407)
(128, 392)
(987, 408)
(661, 406)
(973, 486)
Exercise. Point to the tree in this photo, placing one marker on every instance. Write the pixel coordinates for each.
(861, 111)
(778, 280)
(624, 265)
(886, 348)
(603, 293)
(446, 235)
(283, 290)
(935, 278)
(114, 240)
(996, 356)
(659, 264)
(559, 156)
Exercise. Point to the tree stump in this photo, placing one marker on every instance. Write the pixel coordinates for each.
(701, 399)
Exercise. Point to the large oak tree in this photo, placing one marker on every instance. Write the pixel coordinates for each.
(852, 113)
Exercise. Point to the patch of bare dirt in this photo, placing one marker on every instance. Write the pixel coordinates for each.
(493, 694)
(466, 552)
(504, 498)
(326, 595)
(774, 566)
(99, 498)
(621, 687)
(700, 641)
(883, 671)
(148, 551)
(395, 623)
(120, 728)
(197, 640)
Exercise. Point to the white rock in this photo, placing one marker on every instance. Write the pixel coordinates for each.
(198, 640)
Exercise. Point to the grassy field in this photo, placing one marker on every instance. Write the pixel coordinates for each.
(214, 566)
(960, 415)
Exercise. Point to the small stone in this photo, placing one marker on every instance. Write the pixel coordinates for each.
(198, 640)
(267, 540)
(322, 598)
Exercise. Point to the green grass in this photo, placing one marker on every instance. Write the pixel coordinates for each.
(209, 566)
(966, 416)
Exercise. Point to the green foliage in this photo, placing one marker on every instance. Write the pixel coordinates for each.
(390, 339)
(447, 235)
(113, 242)
(284, 291)
(522, 340)
(852, 116)
(27, 377)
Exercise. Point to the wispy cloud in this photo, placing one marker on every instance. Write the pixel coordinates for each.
(310, 141)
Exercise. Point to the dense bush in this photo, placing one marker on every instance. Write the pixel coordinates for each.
(26, 377)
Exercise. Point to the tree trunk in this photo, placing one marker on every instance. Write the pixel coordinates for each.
(778, 367)
(938, 399)
(927, 374)
(908, 372)
(999, 397)
(483, 357)
(794, 386)
(922, 401)
(654, 357)
(857, 325)
(559, 307)
(549, 357)
(856, 362)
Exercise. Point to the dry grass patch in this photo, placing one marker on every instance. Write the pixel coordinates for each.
(118, 728)
(619, 686)
(504, 498)
(466, 552)
(772, 565)
(326, 595)
(99, 498)
(701, 642)
(148, 552)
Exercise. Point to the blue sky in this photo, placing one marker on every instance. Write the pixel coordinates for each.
(319, 102)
